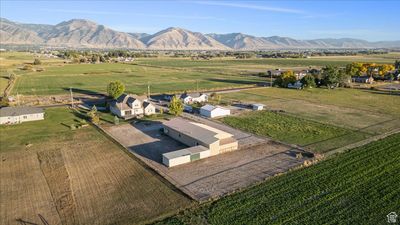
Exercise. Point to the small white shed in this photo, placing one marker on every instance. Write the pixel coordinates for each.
(214, 111)
(257, 107)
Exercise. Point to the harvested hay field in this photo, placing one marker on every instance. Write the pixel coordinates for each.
(76, 177)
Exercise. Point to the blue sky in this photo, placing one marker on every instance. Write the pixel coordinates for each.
(369, 20)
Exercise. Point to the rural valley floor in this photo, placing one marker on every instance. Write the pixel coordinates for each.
(49, 172)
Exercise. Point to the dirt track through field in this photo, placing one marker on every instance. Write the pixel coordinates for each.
(57, 178)
(24, 193)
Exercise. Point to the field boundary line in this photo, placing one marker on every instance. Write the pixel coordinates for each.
(362, 143)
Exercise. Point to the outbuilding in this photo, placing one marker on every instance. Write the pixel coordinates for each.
(214, 111)
(258, 107)
(203, 141)
(20, 114)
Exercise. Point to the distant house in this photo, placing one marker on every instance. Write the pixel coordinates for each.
(257, 107)
(129, 106)
(363, 79)
(275, 73)
(296, 85)
(188, 98)
(193, 98)
(20, 114)
(214, 111)
(300, 74)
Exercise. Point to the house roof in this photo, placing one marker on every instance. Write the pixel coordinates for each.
(208, 107)
(122, 102)
(19, 110)
(193, 95)
(258, 104)
(212, 107)
(192, 130)
(146, 104)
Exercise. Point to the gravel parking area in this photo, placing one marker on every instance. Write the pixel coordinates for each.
(257, 159)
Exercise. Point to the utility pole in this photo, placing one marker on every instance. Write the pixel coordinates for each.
(197, 86)
(148, 89)
(271, 81)
(18, 99)
(72, 98)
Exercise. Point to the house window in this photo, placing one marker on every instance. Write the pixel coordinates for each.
(179, 135)
(128, 112)
(25, 117)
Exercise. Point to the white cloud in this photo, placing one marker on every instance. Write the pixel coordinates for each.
(169, 16)
(251, 6)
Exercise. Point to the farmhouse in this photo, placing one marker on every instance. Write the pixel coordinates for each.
(204, 141)
(193, 98)
(275, 73)
(300, 74)
(188, 98)
(129, 106)
(363, 79)
(214, 111)
(20, 114)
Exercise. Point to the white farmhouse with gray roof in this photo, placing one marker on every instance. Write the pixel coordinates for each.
(20, 114)
(129, 106)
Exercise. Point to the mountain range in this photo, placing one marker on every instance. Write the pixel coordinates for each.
(80, 33)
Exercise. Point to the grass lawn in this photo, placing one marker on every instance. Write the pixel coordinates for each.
(76, 176)
(294, 130)
(268, 63)
(357, 187)
(95, 77)
(342, 97)
(163, 74)
(349, 108)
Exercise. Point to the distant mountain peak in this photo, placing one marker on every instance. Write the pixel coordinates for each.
(85, 33)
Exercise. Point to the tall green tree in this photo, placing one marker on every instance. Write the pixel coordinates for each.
(330, 76)
(175, 106)
(308, 81)
(115, 89)
(397, 64)
(285, 78)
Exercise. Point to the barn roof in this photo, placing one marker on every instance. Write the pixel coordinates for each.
(19, 110)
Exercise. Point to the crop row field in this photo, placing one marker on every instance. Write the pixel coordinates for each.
(76, 177)
(357, 187)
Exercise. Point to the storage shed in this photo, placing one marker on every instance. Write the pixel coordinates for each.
(258, 107)
(214, 111)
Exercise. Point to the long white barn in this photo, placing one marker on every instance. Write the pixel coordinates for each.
(20, 114)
